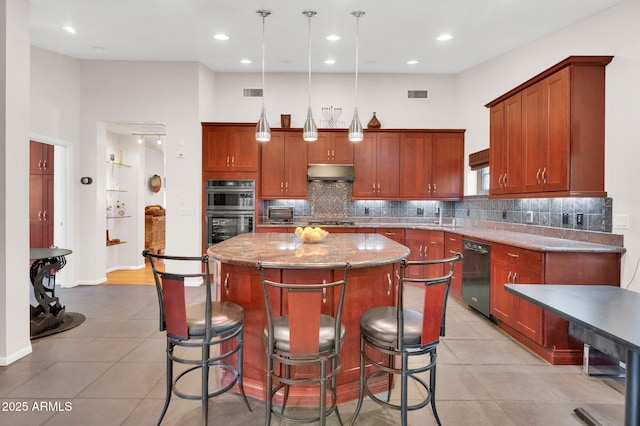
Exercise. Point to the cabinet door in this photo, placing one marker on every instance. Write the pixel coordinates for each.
(364, 161)
(452, 246)
(535, 128)
(40, 158)
(556, 176)
(388, 165)
(506, 146)
(342, 149)
(414, 240)
(503, 304)
(396, 234)
(295, 170)
(272, 170)
(47, 205)
(447, 166)
(529, 318)
(434, 250)
(36, 191)
(319, 152)
(243, 147)
(215, 156)
(415, 165)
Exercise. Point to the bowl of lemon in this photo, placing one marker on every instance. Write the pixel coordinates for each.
(310, 234)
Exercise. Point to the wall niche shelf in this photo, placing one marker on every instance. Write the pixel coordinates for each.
(113, 163)
(117, 217)
(115, 243)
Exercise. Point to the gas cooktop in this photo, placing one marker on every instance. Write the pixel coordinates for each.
(331, 222)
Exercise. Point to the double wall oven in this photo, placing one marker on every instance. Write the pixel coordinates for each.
(230, 209)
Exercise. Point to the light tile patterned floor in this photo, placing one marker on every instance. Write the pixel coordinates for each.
(110, 371)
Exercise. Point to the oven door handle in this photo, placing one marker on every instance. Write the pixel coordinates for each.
(475, 248)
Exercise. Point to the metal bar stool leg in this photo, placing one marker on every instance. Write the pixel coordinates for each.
(362, 378)
(432, 386)
(169, 381)
(404, 389)
(240, 369)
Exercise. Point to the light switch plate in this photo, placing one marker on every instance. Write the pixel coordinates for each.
(621, 221)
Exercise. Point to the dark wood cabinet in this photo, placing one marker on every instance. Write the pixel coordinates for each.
(41, 158)
(561, 131)
(332, 147)
(505, 128)
(228, 147)
(41, 195)
(543, 332)
(431, 165)
(283, 168)
(452, 246)
(377, 166)
(424, 245)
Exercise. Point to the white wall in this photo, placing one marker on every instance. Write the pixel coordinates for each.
(386, 94)
(613, 32)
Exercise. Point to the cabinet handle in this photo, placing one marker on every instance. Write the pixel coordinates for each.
(500, 180)
(44, 215)
(378, 186)
(333, 154)
(538, 176)
(428, 187)
(420, 251)
(44, 165)
(544, 175)
(324, 292)
(390, 284)
(434, 188)
(40, 215)
(226, 284)
(515, 256)
(281, 186)
(452, 239)
(40, 165)
(373, 188)
(228, 159)
(504, 180)
(286, 187)
(233, 161)
(515, 278)
(509, 278)
(328, 155)
(453, 252)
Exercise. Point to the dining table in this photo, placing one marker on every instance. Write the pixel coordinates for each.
(610, 312)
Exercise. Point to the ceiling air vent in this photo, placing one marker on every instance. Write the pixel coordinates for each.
(251, 93)
(417, 94)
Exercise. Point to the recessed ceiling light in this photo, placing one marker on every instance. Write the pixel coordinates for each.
(330, 62)
(412, 62)
(444, 37)
(221, 37)
(245, 61)
(333, 37)
(69, 29)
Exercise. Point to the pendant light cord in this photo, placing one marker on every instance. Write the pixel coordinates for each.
(264, 15)
(357, 15)
(309, 49)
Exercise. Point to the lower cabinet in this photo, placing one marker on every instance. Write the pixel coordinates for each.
(424, 245)
(542, 332)
(452, 246)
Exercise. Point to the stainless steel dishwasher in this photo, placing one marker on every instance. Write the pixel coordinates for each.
(476, 275)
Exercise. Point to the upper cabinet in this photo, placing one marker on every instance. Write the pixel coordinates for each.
(376, 160)
(40, 158)
(229, 148)
(547, 135)
(332, 147)
(284, 166)
(431, 165)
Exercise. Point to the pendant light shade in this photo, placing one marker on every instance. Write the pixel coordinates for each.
(355, 128)
(310, 130)
(263, 131)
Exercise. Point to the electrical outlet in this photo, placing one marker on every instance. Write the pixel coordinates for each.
(565, 218)
(529, 216)
(580, 219)
(420, 211)
(504, 213)
(366, 211)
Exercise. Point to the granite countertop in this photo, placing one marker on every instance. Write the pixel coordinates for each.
(285, 249)
(492, 233)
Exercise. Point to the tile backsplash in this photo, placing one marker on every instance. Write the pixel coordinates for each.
(333, 200)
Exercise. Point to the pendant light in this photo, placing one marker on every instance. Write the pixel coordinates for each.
(356, 133)
(310, 130)
(263, 131)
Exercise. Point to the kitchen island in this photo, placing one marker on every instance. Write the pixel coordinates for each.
(371, 282)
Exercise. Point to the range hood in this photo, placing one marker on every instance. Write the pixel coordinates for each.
(330, 172)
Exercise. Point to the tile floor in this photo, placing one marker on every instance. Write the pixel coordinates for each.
(110, 371)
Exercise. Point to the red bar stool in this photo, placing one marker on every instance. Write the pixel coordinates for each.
(205, 325)
(403, 333)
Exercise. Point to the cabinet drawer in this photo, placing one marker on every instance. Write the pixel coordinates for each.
(396, 234)
(517, 256)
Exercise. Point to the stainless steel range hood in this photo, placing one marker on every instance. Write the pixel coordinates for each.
(330, 172)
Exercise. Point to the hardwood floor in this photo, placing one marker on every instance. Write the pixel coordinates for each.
(138, 276)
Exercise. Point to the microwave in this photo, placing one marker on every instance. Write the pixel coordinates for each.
(279, 214)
